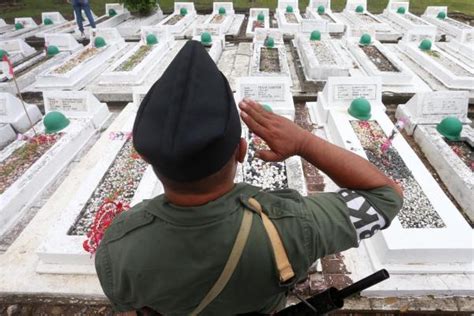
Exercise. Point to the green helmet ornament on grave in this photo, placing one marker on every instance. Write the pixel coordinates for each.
(425, 45)
(321, 9)
(289, 9)
(18, 26)
(269, 42)
(54, 122)
(315, 36)
(3, 53)
(52, 50)
(267, 108)
(441, 15)
(222, 11)
(360, 109)
(359, 9)
(99, 42)
(206, 39)
(365, 39)
(401, 10)
(112, 12)
(450, 127)
(261, 17)
(183, 11)
(151, 39)
(48, 21)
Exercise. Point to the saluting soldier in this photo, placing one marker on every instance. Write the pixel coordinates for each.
(210, 246)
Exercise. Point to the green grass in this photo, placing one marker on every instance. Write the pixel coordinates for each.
(33, 8)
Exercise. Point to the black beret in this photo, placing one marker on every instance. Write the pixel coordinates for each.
(187, 126)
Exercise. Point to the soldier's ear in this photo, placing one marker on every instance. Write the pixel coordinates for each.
(242, 150)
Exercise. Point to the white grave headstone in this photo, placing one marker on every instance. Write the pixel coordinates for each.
(117, 7)
(76, 104)
(273, 91)
(254, 24)
(12, 112)
(419, 34)
(26, 22)
(3, 23)
(63, 41)
(431, 107)
(55, 17)
(110, 35)
(228, 6)
(394, 6)
(17, 49)
(351, 5)
(339, 92)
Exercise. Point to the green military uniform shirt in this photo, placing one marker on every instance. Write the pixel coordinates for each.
(167, 257)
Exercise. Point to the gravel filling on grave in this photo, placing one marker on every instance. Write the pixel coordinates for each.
(175, 19)
(367, 18)
(269, 60)
(217, 19)
(135, 59)
(256, 24)
(417, 211)
(457, 23)
(379, 59)
(463, 150)
(327, 18)
(414, 19)
(291, 18)
(118, 184)
(267, 175)
(87, 54)
(22, 158)
(449, 64)
(323, 53)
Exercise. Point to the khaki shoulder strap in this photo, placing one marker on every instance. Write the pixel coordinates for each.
(231, 263)
(284, 267)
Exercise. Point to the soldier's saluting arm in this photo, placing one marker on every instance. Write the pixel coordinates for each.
(335, 221)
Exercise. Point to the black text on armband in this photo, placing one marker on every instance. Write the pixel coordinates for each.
(366, 220)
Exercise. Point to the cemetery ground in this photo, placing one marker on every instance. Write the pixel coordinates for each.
(33, 8)
(49, 288)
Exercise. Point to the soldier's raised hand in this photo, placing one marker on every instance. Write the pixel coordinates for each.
(284, 137)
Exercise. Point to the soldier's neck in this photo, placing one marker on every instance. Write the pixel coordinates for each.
(189, 199)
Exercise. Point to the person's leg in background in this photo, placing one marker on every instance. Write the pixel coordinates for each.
(87, 11)
(78, 11)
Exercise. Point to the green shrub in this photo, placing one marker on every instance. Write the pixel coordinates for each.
(140, 7)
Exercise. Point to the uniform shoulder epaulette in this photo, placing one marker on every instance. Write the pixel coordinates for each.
(127, 222)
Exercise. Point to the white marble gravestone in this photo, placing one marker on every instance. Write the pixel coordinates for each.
(398, 248)
(321, 59)
(218, 39)
(84, 65)
(55, 17)
(421, 115)
(452, 73)
(13, 113)
(334, 24)
(259, 39)
(454, 29)
(284, 24)
(86, 118)
(397, 74)
(430, 108)
(253, 23)
(64, 42)
(77, 105)
(115, 75)
(340, 91)
(7, 134)
(17, 49)
(406, 21)
(180, 26)
(225, 22)
(273, 91)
